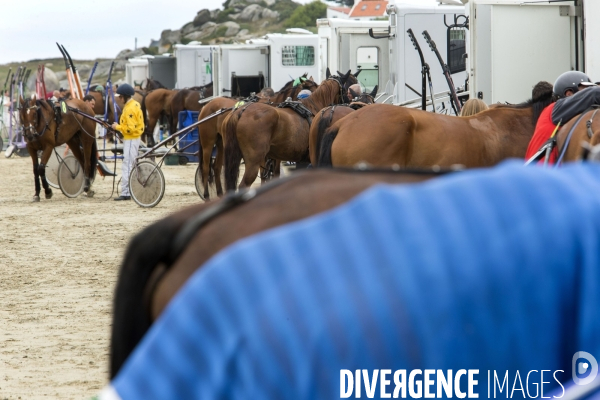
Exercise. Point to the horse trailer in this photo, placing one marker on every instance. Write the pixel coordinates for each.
(447, 26)
(163, 69)
(136, 70)
(241, 69)
(346, 45)
(514, 44)
(194, 65)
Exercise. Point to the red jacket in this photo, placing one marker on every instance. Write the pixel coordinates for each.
(543, 131)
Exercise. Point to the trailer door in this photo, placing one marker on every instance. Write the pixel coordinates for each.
(516, 46)
(360, 51)
(163, 70)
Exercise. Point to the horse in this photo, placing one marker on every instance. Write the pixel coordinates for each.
(258, 131)
(586, 134)
(152, 271)
(43, 132)
(152, 84)
(156, 105)
(209, 132)
(385, 135)
(329, 115)
(188, 99)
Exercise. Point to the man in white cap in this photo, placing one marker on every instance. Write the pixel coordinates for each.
(303, 94)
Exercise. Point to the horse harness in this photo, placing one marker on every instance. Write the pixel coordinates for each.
(299, 108)
(57, 118)
(590, 133)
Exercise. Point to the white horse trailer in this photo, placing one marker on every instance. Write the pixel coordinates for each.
(446, 25)
(194, 65)
(290, 56)
(136, 70)
(346, 45)
(514, 44)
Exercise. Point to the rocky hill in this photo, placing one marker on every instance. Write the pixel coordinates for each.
(238, 21)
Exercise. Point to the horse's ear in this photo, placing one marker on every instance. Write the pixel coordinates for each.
(327, 73)
(311, 79)
(345, 77)
(305, 74)
(353, 93)
(374, 92)
(33, 98)
(21, 101)
(357, 72)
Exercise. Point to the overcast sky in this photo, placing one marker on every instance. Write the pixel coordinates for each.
(91, 29)
(88, 28)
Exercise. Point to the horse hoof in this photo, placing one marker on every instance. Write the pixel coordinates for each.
(36, 199)
(90, 193)
(48, 195)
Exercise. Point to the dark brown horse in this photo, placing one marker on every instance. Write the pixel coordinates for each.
(152, 84)
(154, 268)
(188, 100)
(210, 131)
(258, 131)
(330, 115)
(43, 133)
(156, 105)
(386, 135)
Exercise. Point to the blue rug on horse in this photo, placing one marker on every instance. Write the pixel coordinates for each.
(491, 270)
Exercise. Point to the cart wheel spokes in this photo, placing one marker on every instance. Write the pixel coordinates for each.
(70, 177)
(146, 184)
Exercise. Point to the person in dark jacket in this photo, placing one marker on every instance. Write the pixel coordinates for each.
(571, 100)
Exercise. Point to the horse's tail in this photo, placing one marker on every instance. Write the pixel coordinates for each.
(93, 159)
(233, 152)
(144, 111)
(131, 314)
(323, 124)
(324, 159)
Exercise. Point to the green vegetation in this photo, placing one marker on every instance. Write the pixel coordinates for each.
(285, 8)
(306, 15)
(224, 15)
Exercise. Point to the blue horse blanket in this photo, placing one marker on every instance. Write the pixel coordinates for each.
(495, 271)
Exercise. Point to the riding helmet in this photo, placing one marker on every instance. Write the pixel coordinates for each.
(125, 90)
(570, 80)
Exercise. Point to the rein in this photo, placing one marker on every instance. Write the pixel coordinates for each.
(590, 133)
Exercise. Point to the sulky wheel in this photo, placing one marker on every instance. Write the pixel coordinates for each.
(70, 177)
(146, 183)
(53, 164)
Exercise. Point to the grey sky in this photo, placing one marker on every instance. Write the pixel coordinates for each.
(88, 28)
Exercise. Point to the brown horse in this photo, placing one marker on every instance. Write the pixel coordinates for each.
(156, 105)
(210, 131)
(188, 100)
(258, 131)
(152, 84)
(386, 135)
(154, 268)
(329, 115)
(99, 108)
(43, 133)
(587, 132)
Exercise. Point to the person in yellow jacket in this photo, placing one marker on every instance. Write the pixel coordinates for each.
(131, 125)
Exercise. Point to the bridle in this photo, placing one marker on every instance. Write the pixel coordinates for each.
(30, 128)
(343, 96)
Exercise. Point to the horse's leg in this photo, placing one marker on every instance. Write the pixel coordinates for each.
(36, 173)
(219, 165)
(86, 143)
(42, 170)
(276, 168)
(207, 142)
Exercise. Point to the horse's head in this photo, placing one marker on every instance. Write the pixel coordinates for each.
(367, 98)
(309, 84)
(346, 80)
(30, 114)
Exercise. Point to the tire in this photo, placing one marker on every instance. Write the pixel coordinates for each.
(71, 178)
(52, 166)
(146, 184)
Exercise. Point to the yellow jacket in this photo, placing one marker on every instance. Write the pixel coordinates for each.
(131, 123)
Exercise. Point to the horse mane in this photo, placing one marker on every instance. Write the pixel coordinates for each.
(324, 95)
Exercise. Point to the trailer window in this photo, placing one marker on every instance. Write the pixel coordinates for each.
(367, 61)
(297, 56)
(456, 50)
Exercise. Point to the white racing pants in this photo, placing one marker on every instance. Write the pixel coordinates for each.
(130, 152)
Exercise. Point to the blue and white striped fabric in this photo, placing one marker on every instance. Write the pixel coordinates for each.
(488, 269)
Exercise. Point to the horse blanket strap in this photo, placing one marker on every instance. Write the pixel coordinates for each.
(299, 108)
